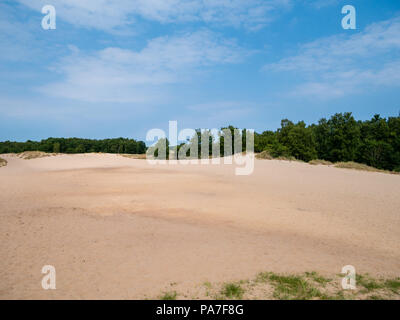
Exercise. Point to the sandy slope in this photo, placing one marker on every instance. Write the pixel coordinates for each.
(119, 228)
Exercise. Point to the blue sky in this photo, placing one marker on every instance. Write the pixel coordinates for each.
(122, 67)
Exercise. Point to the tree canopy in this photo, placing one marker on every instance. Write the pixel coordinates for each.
(374, 142)
(76, 145)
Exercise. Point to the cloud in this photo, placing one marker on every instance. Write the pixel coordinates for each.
(121, 75)
(111, 14)
(338, 65)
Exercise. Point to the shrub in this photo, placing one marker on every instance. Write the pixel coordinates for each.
(3, 162)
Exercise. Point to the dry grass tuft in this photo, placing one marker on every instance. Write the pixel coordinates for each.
(27, 155)
(320, 162)
(360, 166)
(264, 156)
(134, 156)
(288, 158)
(3, 162)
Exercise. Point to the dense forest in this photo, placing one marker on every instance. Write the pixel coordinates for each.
(374, 142)
(75, 145)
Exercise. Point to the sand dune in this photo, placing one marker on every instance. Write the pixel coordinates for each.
(115, 227)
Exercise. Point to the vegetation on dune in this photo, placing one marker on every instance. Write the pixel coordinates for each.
(360, 166)
(170, 295)
(306, 286)
(264, 155)
(232, 291)
(3, 162)
(317, 162)
(27, 155)
(293, 287)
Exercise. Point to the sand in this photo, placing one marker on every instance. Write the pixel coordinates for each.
(119, 228)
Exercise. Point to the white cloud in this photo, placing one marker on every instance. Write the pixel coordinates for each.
(111, 14)
(121, 75)
(338, 65)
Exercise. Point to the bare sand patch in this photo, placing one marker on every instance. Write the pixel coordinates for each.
(116, 227)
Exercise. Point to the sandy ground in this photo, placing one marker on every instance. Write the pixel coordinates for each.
(115, 227)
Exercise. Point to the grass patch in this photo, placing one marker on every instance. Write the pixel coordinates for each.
(368, 283)
(27, 155)
(305, 286)
(393, 285)
(208, 287)
(318, 278)
(232, 291)
(360, 166)
(171, 295)
(263, 276)
(338, 296)
(320, 162)
(3, 162)
(293, 287)
(264, 156)
(376, 297)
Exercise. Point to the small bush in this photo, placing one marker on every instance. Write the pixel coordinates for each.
(3, 162)
(232, 290)
(265, 155)
(169, 296)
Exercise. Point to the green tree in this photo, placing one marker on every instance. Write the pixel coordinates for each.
(56, 147)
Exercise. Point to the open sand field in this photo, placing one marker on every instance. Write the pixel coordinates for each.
(119, 228)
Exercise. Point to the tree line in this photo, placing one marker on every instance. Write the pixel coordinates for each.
(76, 145)
(341, 138)
(374, 142)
